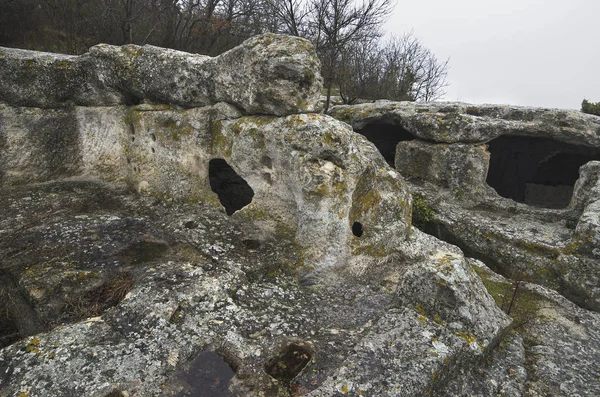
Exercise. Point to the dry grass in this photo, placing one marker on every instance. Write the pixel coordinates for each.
(94, 302)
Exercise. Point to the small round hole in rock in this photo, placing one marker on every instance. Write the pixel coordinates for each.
(289, 362)
(153, 137)
(357, 229)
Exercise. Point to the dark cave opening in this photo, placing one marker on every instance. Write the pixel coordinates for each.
(233, 191)
(386, 137)
(537, 171)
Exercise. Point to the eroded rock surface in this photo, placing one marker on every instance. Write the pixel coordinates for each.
(217, 238)
(513, 186)
(449, 122)
(271, 74)
(201, 282)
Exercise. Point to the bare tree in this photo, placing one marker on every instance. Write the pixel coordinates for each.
(401, 70)
(346, 35)
(360, 71)
(338, 23)
(292, 15)
(413, 71)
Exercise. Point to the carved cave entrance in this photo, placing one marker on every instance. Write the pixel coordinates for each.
(386, 137)
(233, 191)
(536, 171)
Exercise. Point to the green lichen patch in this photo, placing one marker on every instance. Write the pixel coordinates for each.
(376, 250)
(61, 65)
(33, 346)
(538, 249)
(365, 198)
(81, 275)
(520, 303)
(422, 214)
(220, 143)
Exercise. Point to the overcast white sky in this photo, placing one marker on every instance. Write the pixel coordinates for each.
(522, 52)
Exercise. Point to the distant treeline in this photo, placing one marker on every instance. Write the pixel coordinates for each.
(346, 33)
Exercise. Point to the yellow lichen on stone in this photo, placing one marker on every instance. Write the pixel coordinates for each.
(61, 65)
(467, 337)
(32, 346)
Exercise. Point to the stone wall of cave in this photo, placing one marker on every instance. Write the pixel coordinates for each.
(536, 171)
(386, 137)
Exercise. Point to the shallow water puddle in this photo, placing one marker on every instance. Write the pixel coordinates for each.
(206, 375)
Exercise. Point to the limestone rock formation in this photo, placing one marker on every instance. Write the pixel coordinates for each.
(499, 181)
(219, 238)
(268, 74)
(466, 123)
(202, 282)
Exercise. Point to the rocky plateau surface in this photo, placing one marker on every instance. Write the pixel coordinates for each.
(177, 225)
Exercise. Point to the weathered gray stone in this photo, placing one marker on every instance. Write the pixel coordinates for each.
(519, 243)
(458, 182)
(47, 80)
(38, 144)
(547, 360)
(202, 286)
(502, 373)
(586, 239)
(461, 168)
(268, 74)
(120, 271)
(309, 173)
(451, 122)
(313, 174)
(556, 335)
(446, 288)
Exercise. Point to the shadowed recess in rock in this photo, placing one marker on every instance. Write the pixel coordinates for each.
(233, 191)
(251, 245)
(289, 362)
(536, 171)
(386, 137)
(143, 252)
(18, 317)
(208, 374)
(357, 229)
(95, 301)
(8, 329)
